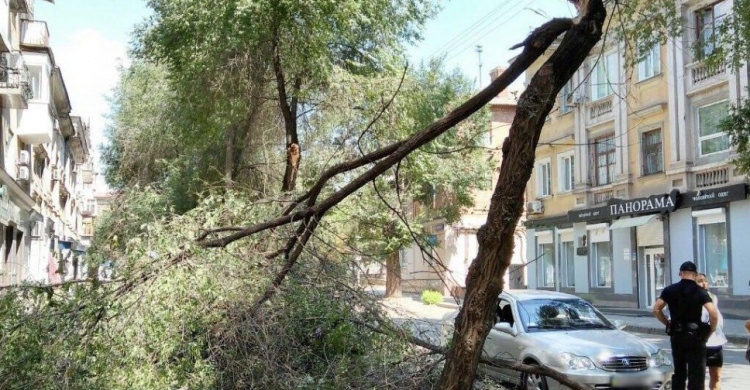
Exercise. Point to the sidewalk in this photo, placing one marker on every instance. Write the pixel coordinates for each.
(642, 321)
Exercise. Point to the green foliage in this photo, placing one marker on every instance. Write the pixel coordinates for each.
(737, 126)
(430, 297)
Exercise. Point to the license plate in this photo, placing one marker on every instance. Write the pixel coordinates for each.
(629, 381)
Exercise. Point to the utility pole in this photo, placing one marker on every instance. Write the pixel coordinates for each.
(478, 49)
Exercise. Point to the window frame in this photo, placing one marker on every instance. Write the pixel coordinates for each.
(561, 171)
(596, 264)
(702, 41)
(544, 262)
(609, 73)
(652, 58)
(705, 218)
(565, 93)
(567, 265)
(37, 94)
(717, 134)
(543, 166)
(611, 157)
(645, 152)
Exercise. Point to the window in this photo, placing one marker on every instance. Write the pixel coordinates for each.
(603, 76)
(566, 165)
(35, 81)
(601, 255)
(707, 22)
(712, 139)
(713, 256)
(546, 258)
(650, 65)
(543, 179)
(651, 152)
(567, 260)
(565, 96)
(604, 159)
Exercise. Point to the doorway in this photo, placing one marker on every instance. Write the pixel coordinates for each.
(655, 273)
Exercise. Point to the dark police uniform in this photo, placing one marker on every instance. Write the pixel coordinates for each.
(687, 333)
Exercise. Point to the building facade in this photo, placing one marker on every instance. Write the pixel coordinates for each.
(633, 175)
(44, 155)
(456, 244)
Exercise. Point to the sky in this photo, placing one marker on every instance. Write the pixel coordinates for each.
(90, 39)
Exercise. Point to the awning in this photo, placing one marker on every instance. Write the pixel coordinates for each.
(632, 222)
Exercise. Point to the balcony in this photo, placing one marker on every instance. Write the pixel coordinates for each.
(701, 75)
(88, 210)
(34, 33)
(600, 110)
(35, 125)
(14, 81)
(708, 178)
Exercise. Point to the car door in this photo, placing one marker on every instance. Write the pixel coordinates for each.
(502, 344)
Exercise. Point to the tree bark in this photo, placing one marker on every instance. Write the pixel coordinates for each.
(392, 276)
(485, 278)
(229, 157)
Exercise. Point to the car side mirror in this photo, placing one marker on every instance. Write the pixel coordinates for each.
(505, 328)
(619, 324)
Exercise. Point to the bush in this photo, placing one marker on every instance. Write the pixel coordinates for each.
(430, 297)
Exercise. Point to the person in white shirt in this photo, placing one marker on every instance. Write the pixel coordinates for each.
(714, 354)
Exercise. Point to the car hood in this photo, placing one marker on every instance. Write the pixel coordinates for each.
(597, 344)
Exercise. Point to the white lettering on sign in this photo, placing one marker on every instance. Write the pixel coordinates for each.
(641, 205)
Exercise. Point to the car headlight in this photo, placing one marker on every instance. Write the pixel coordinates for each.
(574, 362)
(661, 358)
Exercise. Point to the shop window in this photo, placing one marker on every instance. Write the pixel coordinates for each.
(707, 22)
(651, 145)
(650, 65)
(712, 139)
(713, 256)
(566, 166)
(601, 256)
(567, 259)
(546, 256)
(604, 159)
(603, 76)
(543, 179)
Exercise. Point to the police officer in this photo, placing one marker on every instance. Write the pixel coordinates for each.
(687, 333)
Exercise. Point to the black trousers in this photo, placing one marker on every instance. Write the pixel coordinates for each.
(689, 358)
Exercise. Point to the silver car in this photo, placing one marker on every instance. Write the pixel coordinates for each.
(567, 334)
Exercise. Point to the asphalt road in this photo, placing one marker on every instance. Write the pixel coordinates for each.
(425, 322)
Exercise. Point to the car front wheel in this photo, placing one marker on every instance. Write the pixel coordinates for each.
(533, 381)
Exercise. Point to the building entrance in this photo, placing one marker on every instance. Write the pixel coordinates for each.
(655, 273)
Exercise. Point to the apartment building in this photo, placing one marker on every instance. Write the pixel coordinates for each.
(44, 155)
(633, 176)
(456, 245)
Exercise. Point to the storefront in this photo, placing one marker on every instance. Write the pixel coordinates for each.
(624, 253)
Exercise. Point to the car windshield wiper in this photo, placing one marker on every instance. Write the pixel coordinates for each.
(589, 325)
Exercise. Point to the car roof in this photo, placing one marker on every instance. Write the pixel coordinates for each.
(523, 295)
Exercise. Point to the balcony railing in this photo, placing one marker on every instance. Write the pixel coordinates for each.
(600, 110)
(14, 74)
(703, 73)
(34, 33)
(712, 177)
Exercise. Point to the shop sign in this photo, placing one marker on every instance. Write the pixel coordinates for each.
(587, 214)
(714, 196)
(652, 204)
(619, 207)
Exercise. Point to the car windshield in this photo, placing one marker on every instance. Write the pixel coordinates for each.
(560, 314)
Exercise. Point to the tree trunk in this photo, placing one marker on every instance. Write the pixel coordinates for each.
(485, 279)
(392, 276)
(229, 157)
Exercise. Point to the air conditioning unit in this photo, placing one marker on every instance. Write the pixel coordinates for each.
(575, 98)
(23, 173)
(23, 157)
(55, 175)
(534, 207)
